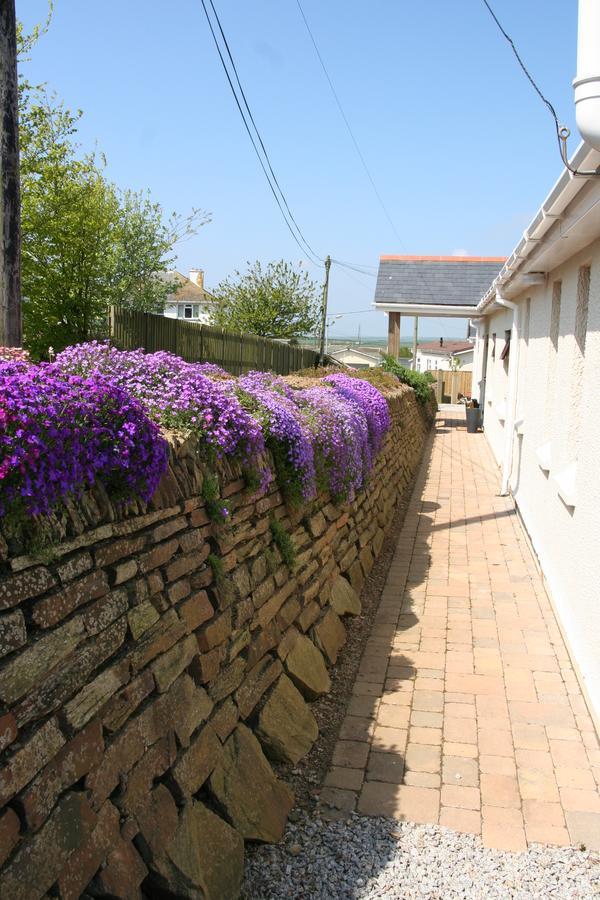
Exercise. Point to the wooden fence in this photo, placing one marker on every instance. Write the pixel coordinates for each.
(233, 351)
(450, 384)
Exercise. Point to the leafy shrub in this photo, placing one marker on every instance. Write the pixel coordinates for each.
(418, 381)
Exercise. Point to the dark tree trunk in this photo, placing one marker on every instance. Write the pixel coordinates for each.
(10, 211)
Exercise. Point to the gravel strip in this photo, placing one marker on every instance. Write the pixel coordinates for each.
(364, 858)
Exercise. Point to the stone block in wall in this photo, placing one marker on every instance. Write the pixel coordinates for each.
(356, 576)
(17, 588)
(308, 616)
(13, 633)
(119, 549)
(344, 599)
(256, 682)
(74, 567)
(141, 618)
(196, 763)
(157, 639)
(216, 632)
(330, 635)
(94, 696)
(366, 560)
(99, 615)
(179, 590)
(24, 765)
(72, 675)
(170, 665)
(122, 874)
(23, 672)
(84, 862)
(9, 833)
(287, 642)
(74, 760)
(203, 861)
(8, 730)
(227, 680)
(225, 718)
(158, 556)
(286, 728)
(124, 704)
(39, 861)
(196, 610)
(306, 667)
(245, 787)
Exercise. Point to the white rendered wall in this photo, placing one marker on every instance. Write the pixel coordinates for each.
(560, 406)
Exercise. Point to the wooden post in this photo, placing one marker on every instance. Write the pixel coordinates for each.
(415, 343)
(454, 387)
(393, 347)
(10, 207)
(439, 387)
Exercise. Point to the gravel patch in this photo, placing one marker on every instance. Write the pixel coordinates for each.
(364, 858)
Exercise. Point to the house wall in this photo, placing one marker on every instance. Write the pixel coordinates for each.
(559, 401)
(350, 358)
(176, 311)
(432, 361)
(150, 658)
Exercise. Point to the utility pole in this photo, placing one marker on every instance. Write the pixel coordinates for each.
(10, 212)
(414, 347)
(324, 311)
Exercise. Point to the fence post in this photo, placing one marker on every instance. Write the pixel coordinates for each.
(453, 387)
(439, 388)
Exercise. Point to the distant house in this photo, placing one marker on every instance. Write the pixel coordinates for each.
(358, 357)
(445, 355)
(190, 300)
(431, 286)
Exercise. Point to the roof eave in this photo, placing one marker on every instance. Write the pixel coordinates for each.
(564, 192)
(429, 309)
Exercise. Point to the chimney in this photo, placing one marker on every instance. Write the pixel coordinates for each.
(197, 277)
(441, 342)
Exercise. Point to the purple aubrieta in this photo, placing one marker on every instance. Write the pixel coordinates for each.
(95, 415)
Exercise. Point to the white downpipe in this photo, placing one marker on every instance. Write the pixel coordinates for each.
(513, 367)
(587, 81)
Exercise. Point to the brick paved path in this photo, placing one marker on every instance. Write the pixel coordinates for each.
(466, 711)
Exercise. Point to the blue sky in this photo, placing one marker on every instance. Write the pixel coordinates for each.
(462, 150)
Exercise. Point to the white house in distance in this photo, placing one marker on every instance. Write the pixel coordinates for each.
(445, 355)
(191, 300)
(358, 357)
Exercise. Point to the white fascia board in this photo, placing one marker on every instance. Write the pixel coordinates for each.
(429, 309)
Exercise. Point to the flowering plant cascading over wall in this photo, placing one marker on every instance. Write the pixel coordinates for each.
(96, 414)
(60, 434)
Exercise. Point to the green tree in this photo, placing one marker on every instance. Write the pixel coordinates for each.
(276, 301)
(86, 244)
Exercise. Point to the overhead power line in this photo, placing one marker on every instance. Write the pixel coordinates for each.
(347, 124)
(562, 132)
(356, 147)
(264, 163)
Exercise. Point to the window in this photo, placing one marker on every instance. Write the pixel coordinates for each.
(506, 349)
(187, 311)
(578, 358)
(493, 346)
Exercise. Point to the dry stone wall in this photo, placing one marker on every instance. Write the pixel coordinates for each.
(152, 663)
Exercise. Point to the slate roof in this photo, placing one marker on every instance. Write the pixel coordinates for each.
(439, 280)
(446, 348)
